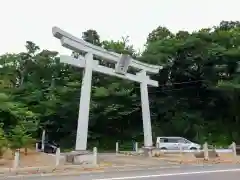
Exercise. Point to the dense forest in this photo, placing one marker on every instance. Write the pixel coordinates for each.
(198, 95)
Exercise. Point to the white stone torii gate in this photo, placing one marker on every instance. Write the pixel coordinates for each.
(89, 64)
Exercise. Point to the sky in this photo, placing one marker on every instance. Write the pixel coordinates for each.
(23, 20)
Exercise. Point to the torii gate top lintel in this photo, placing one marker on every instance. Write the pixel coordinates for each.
(71, 42)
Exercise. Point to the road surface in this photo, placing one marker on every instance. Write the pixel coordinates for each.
(216, 172)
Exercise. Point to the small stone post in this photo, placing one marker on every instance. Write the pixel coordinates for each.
(205, 149)
(58, 156)
(95, 156)
(16, 161)
(136, 146)
(234, 150)
(181, 149)
(43, 140)
(117, 148)
(36, 147)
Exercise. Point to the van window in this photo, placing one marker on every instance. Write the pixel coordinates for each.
(163, 140)
(182, 140)
(169, 140)
(173, 140)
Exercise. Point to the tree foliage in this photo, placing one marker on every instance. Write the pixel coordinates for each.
(198, 96)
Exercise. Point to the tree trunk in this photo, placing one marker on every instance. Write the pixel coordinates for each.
(25, 151)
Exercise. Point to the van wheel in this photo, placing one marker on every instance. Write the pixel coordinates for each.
(193, 148)
(163, 148)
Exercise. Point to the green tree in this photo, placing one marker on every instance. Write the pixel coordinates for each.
(197, 97)
(92, 37)
(3, 141)
(20, 137)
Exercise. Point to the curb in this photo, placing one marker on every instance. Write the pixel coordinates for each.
(199, 161)
(48, 169)
(100, 170)
(74, 170)
(45, 175)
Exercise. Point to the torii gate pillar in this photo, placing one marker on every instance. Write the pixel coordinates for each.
(84, 105)
(147, 128)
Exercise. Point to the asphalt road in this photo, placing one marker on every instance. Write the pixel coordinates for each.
(218, 172)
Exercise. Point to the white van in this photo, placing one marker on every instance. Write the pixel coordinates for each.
(174, 143)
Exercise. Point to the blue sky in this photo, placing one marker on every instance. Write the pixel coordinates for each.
(23, 20)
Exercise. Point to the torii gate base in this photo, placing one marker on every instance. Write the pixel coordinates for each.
(89, 64)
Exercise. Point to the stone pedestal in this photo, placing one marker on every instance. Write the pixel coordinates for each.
(238, 150)
(79, 157)
(211, 154)
(147, 151)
